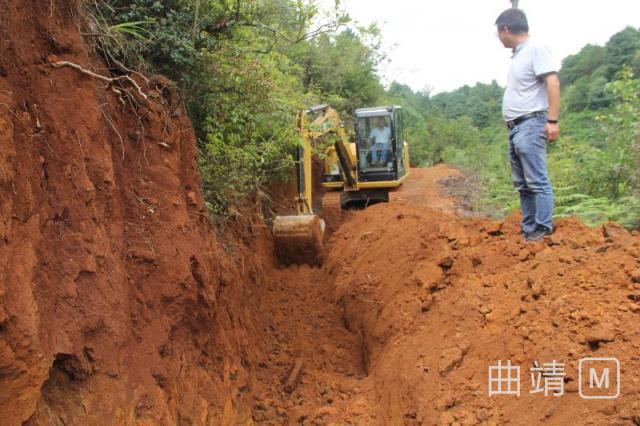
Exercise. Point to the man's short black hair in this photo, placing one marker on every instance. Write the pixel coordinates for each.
(515, 20)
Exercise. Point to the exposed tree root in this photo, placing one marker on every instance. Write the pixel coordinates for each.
(110, 80)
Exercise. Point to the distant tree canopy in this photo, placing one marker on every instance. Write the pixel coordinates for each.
(582, 64)
(586, 74)
(621, 49)
(482, 103)
(584, 77)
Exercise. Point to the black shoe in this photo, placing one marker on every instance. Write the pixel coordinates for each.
(524, 235)
(537, 234)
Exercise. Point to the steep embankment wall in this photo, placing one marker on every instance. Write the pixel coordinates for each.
(116, 300)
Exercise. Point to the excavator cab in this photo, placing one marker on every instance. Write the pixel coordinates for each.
(380, 146)
(381, 153)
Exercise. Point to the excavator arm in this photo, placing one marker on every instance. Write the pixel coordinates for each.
(321, 127)
(298, 239)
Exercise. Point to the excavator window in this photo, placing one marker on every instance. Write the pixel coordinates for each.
(375, 143)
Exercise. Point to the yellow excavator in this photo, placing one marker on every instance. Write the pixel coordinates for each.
(365, 170)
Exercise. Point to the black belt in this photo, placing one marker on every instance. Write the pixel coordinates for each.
(512, 123)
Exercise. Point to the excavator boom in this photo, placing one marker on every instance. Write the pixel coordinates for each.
(299, 238)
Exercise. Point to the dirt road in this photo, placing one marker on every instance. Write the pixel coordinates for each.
(415, 304)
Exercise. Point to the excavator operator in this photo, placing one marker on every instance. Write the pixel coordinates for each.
(379, 138)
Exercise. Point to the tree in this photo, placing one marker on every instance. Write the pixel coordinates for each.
(481, 103)
(582, 64)
(599, 96)
(620, 50)
(342, 68)
(618, 164)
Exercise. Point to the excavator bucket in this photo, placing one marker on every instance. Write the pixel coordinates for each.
(298, 239)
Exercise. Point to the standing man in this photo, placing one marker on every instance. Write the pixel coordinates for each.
(531, 108)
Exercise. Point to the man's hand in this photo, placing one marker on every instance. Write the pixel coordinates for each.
(552, 130)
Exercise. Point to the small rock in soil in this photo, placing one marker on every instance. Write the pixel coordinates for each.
(446, 262)
(447, 418)
(450, 359)
(427, 303)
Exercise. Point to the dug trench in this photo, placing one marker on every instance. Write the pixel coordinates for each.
(120, 302)
(415, 303)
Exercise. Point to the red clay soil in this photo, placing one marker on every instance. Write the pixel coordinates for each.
(438, 299)
(415, 304)
(120, 305)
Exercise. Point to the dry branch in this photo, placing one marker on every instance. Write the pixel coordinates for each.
(97, 35)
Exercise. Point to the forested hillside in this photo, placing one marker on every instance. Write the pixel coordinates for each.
(246, 68)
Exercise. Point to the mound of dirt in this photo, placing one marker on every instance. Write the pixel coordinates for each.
(416, 303)
(439, 299)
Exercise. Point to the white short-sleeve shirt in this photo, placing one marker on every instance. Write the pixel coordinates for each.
(380, 135)
(526, 90)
